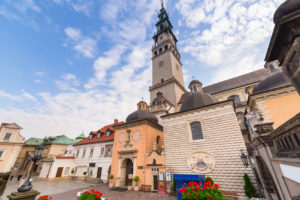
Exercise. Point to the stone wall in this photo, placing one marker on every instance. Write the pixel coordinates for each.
(222, 139)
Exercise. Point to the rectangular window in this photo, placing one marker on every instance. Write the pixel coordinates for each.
(67, 169)
(77, 154)
(91, 152)
(196, 131)
(102, 151)
(83, 154)
(7, 136)
(1, 153)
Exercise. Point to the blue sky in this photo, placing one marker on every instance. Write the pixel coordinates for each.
(75, 65)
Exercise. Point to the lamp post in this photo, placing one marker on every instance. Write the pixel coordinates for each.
(244, 158)
(27, 186)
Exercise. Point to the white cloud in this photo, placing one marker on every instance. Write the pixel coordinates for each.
(232, 28)
(28, 96)
(73, 33)
(83, 6)
(39, 73)
(102, 64)
(87, 47)
(68, 82)
(25, 5)
(19, 98)
(84, 45)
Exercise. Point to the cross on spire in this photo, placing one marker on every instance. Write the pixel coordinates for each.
(162, 3)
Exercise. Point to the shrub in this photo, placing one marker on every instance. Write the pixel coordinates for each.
(111, 176)
(136, 178)
(84, 173)
(174, 187)
(193, 191)
(209, 179)
(248, 187)
(90, 195)
(45, 197)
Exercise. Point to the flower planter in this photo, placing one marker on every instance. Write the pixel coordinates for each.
(136, 188)
(111, 184)
(129, 187)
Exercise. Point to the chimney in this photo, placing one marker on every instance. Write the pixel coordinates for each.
(115, 121)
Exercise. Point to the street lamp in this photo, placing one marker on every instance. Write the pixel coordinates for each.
(244, 158)
(27, 186)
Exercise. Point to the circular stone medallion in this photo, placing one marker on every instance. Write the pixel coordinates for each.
(136, 135)
(201, 162)
(121, 137)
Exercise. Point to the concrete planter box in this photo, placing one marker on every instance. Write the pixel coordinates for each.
(136, 188)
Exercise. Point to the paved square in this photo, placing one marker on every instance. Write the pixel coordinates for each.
(67, 190)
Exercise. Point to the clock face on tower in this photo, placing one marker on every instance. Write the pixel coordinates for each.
(122, 137)
(136, 135)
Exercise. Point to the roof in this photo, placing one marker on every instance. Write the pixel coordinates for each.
(236, 82)
(141, 115)
(103, 137)
(197, 100)
(275, 80)
(285, 9)
(34, 141)
(61, 139)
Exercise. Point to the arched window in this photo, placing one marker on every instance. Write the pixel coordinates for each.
(158, 140)
(166, 47)
(160, 50)
(196, 130)
(272, 68)
(155, 53)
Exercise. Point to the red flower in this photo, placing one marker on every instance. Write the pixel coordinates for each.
(190, 184)
(196, 194)
(182, 185)
(86, 192)
(180, 190)
(183, 189)
(197, 187)
(209, 196)
(188, 194)
(92, 190)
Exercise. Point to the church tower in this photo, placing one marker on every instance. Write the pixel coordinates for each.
(167, 77)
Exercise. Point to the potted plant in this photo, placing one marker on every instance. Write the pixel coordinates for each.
(84, 174)
(136, 180)
(90, 195)
(111, 177)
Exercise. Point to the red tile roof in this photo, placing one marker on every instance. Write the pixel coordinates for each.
(103, 137)
(64, 157)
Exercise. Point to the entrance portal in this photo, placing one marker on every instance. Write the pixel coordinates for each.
(129, 170)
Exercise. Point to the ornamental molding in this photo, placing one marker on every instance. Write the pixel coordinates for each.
(201, 162)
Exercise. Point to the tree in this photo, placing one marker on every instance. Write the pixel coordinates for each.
(248, 187)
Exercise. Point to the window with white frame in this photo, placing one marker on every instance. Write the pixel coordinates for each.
(67, 169)
(196, 129)
(83, 154)
(77, 154)
(108, 133)
(102, 151)
(91, 152)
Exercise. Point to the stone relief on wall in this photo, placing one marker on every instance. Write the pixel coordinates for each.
(201, 162)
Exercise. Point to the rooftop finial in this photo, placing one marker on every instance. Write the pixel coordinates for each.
(162, 3)
(142, 98)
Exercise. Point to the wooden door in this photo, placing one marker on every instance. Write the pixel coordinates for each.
(59, 171)
(99, 172)
(155, 183)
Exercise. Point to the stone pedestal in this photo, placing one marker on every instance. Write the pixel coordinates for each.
(30, 195)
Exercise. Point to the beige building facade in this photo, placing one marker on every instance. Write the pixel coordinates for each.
(11, 142)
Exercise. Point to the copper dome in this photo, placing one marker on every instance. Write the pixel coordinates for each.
(285, 9)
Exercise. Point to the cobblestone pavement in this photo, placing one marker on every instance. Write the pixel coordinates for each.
(114, 195)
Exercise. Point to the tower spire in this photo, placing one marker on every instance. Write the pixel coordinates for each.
(162, 3)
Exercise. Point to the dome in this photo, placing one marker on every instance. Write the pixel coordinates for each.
(159, 99)
(141, 115)
(286, 8)
(193, 82)
(275, 80)
(196, 100)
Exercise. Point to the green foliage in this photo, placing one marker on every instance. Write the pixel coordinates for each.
(84, 173)
(193, 191)
(209, 179)
(249, 188)
(174, 187)
(73, 171)
(111, 176)
(90, 195)
(136, 178)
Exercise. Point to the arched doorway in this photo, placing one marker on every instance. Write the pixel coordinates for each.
(129, 170)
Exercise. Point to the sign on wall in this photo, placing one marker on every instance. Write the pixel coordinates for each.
(108, 150)
(168, 176)
(160, 176)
